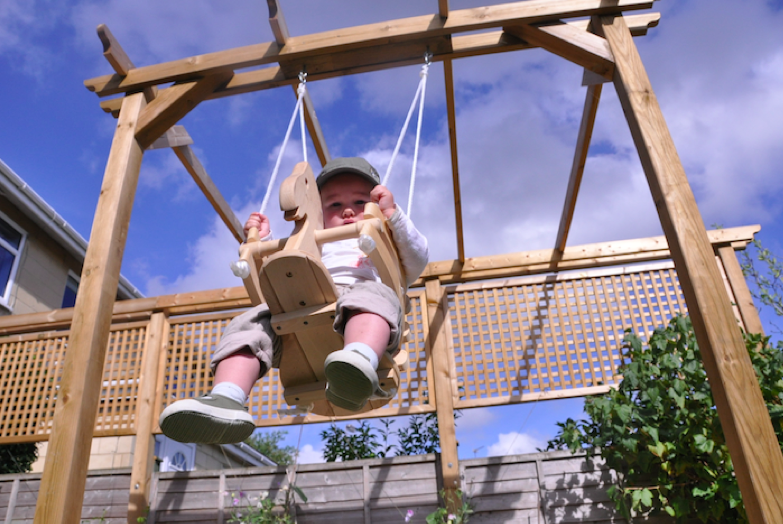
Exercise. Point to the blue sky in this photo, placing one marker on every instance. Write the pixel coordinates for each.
(716, 67)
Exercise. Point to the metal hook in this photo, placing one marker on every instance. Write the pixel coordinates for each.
(427, 57)
(303, 75)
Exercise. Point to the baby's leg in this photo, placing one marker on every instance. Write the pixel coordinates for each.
(369, 317)
(368, 328)
(244, 354)
(241, 369)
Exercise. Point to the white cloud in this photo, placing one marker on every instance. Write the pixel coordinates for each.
(207, 265)
(153, 32)
(515, 444)
(309, 455)
(475, 419)
(163, 171)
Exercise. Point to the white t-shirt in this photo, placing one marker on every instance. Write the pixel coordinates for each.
(348, 264)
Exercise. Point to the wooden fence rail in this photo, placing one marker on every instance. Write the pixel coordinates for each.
(540, 488)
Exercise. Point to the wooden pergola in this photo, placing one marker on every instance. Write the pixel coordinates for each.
(594, 34)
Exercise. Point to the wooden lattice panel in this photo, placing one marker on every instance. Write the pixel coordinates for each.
(545, 337)
(32, 367)
(192, 341)
(121, 372)
(538, 337)
(31, 371)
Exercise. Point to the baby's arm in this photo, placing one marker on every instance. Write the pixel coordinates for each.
(411, 245)
(261, 223)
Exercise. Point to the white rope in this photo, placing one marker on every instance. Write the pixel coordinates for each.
(300, 94)
(419, 96)
(424, 73)
(402, 135)
(297, 109)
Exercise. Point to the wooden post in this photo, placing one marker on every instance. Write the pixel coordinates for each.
(143, 454)
(65, 470)
(440, 344)
(752, 443)
(739, 286)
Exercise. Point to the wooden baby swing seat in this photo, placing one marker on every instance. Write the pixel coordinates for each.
(288, 275)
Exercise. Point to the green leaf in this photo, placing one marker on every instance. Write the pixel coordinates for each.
(646, 497)
(658, 449)
(704, 444)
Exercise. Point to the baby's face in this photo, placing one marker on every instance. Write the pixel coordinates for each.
(343, 198)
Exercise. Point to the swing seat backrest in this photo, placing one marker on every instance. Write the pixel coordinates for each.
(300, 293)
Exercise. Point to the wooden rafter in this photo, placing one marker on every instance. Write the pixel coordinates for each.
(277, 22)
(578, 166)
(119, 59)
(448, 75)
(367, 38)
(191, 162)
(443, 8)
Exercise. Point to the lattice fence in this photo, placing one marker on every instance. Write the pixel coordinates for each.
(514, 341)
(544, 337)
(32, 367)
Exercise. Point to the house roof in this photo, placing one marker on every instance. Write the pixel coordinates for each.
(34, 207)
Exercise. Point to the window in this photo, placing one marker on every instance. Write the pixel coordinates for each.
(71, 287)
(11, 243)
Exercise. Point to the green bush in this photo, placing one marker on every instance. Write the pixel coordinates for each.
(660, 430)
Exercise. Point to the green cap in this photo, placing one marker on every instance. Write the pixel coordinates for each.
(355, 165)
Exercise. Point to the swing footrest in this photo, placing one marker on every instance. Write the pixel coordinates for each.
(305, 318)
(305, 394)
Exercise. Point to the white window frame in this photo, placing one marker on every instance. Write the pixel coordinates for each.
(169, 448)
(5, 297)
(76, 278)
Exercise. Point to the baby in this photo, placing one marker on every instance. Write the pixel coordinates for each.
(368, 315)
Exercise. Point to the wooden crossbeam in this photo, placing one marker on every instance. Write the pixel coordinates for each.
(578, 166)
(576, 257)
(174, 103)
(462, 46)
(369, 37)
(579, 46)
(175, 136)
(588, 255)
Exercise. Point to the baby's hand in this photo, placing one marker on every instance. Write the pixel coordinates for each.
(385, 200)
(258, 221)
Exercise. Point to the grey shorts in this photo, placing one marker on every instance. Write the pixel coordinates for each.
(253, 329)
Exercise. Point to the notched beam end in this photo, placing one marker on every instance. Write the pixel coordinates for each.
(277, 22)
(114, 52)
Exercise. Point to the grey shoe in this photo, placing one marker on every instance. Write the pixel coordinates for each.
(351, 379)
(207, 420)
